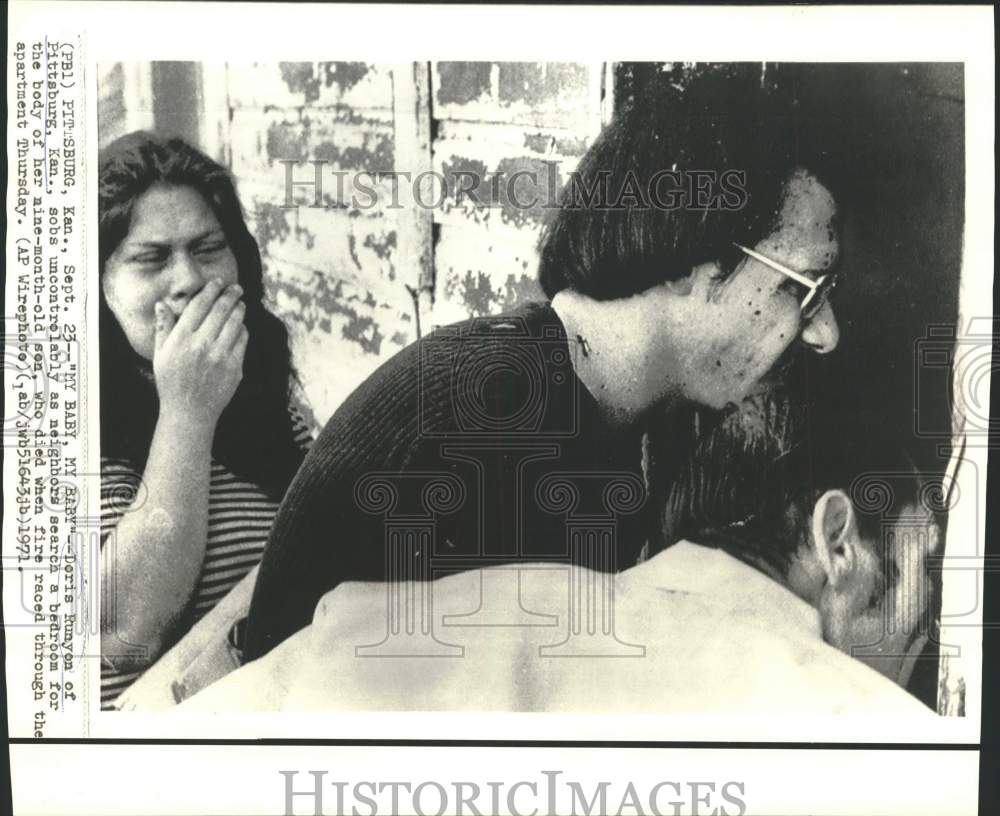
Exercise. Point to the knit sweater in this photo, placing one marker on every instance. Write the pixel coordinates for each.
(475, 446)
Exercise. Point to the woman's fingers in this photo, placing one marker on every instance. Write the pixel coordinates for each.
(200, 365)
(164, 323)
(240, 346)
(199, 306)
(217, 316)
(232, 328)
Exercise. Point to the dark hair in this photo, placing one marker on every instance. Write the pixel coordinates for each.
(751, 483)
(254, 437)
(605, 248)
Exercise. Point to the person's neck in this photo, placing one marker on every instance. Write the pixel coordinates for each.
(799, 577)
(612, 356)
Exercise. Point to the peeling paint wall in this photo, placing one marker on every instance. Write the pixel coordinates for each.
(338, 276)
(111, 101)
(124, 99)
(331, 272)
(334, 273)
(499, 120)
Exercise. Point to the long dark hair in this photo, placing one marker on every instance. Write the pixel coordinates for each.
(254, 437)
(610, 238)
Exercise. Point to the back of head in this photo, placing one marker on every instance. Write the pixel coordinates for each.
(754, 476)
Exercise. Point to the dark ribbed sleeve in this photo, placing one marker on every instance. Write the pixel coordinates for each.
(321, 536)
(491, 405)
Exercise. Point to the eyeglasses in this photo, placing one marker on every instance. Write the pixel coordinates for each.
(819, 289)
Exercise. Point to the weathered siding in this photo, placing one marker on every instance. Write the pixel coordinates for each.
(346, 277)
(124, 99)
(331, 271)
(111, 101)
(498, 120)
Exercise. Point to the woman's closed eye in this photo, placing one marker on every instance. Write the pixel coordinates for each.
(155, 257)
(150, 257)
(210, 251)
(210, 248)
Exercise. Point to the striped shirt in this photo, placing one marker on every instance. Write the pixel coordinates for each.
(239, 522)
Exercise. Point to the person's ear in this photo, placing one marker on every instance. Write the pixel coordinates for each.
(835, 537)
